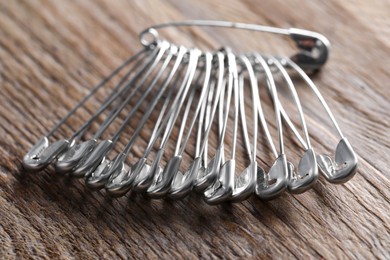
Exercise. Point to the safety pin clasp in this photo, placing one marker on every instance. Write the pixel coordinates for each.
(344, 166)
(271, 185)
(43, 153)
(222, 189)
(306, 175)
(314, 49)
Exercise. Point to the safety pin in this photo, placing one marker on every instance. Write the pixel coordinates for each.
(245, 183)
(197, 166)
(313, 47)
(222, 189)
(209, 170)
(273, 183)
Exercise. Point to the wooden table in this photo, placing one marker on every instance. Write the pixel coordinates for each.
(52, 52)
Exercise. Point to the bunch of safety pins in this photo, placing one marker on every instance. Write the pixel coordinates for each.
(214, 88)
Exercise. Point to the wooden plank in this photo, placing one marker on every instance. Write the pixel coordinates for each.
(52, 52)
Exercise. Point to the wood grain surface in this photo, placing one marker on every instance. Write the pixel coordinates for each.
(52, 52)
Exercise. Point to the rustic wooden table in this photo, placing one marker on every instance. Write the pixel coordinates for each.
(51, 52)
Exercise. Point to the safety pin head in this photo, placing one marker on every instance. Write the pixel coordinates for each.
(275, 182)
(182, 184)
(119, 181)
(163, 183)
(97, 179)
(43, 153)
(92, 160)
(344, 166)
(208, 175)
(307, 173)
(314, 49)
(143, 176)
(118, 185)
(69, 159)
(245, 183)
(222, 190)
(147, 176)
